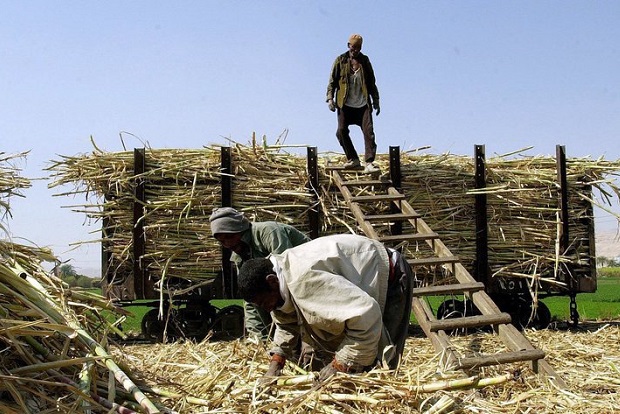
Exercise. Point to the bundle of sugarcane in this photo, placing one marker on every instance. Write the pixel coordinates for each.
(54, 343)
(523, 208)
(271, 184)
(180, 194)
(183, 186)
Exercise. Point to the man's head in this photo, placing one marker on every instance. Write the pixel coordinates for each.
(257, 283)
(355, 44)
(227, 226)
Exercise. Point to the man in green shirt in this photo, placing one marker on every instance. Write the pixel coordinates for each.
(253, 240)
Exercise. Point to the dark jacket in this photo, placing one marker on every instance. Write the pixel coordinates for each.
(338, 80)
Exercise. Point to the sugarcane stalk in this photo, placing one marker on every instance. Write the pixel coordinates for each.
(171, 394)
(329, 396)
(44, 366)
(447, 385)
(297, 380)
(97, 398)
(442, 405)
(84, 382)
(470, 382)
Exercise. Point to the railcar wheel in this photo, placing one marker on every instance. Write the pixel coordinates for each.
(526, 318)
(452, 308)
(152, 327)
(229, 323)
(455, 308)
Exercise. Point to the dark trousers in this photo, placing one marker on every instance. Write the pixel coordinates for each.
(361, 117)
(398, 305)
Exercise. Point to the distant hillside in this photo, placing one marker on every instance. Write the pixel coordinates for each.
(607, 243)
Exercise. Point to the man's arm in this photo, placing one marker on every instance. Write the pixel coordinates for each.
(334, 76)
(286, 335)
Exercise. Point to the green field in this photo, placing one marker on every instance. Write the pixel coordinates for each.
(602, 305)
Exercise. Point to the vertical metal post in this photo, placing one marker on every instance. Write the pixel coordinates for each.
(560, 153)
(138, 236)
(396, 178)
(313, 186)
(572, 282)
(482, 233)
(226, 177)
(229, 280)
(106, 256)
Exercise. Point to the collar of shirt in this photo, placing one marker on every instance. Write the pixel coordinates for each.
(287, 307)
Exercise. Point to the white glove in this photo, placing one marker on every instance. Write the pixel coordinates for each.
(375, 105)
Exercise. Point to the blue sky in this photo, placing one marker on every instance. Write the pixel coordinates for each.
(183, 74)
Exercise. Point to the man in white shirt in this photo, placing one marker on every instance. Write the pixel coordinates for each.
(347, 295)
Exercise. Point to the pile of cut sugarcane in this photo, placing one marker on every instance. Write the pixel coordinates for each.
(224, 377)
(54, 341)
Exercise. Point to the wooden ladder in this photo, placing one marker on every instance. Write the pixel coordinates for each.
(372, 193)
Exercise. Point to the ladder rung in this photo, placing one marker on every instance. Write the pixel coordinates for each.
(448, 289)
(366, 182)
(342, 168)
(500, 358)
(470, 321)
(428, 261)
(383, 197)
(415, 236)
(392, 217)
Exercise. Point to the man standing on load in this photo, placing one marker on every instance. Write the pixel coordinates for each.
(347, 296)
(352, 82)
(250, 241)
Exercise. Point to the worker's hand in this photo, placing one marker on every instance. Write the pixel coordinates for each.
(274, 369)
(331, 369)
(331, 106)
(327, 372)
(272, 374)
(375, 105)
(275, 366)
